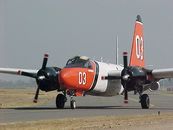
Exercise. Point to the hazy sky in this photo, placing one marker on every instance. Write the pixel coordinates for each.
(65, 28)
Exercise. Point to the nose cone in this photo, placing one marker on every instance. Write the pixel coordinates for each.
(68, 78)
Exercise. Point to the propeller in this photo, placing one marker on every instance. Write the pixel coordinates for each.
(40, 76)
(125, 76)
(46, 77)
(132, 77)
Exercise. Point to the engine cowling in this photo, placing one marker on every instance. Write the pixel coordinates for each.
(153, 86)
(49, 82)
(135, 77)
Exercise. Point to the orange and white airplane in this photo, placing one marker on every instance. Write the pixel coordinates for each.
(83, 76)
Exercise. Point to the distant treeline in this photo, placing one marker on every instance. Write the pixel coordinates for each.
(166, 82)
(17, 83)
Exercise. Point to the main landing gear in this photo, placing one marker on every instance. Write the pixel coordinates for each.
(143, 98)
(61, 99)
(145, 101)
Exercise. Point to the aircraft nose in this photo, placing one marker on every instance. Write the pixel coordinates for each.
(63, 76)
(67, 77)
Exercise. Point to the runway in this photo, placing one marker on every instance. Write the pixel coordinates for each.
(90, 106)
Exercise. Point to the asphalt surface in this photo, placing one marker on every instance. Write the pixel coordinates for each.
(89, 106)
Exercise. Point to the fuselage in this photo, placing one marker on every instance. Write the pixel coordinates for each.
(106, 87)
(86, 76)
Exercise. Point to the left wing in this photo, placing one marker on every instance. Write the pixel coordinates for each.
(18, 71)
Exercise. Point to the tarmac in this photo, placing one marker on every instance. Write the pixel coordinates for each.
(90, 106)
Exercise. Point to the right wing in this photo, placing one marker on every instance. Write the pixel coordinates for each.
(162, 73)
(156, 74)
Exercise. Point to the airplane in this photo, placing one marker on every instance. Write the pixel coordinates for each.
(83, 76)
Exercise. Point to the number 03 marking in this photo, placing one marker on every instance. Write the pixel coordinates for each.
(139, 47)
(82, 78)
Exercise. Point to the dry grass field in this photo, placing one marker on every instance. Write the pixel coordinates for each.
(138, 122)
(23, 97)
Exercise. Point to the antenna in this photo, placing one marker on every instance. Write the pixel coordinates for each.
(101, 59)
(117, 50)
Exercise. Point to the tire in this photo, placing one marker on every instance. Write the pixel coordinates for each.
(135, 92)
(145, 101)
(73, 104)
(60, 101)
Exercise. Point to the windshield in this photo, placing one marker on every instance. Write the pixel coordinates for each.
(78, 61)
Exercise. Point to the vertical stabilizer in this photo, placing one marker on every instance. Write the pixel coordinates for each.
(137, 51)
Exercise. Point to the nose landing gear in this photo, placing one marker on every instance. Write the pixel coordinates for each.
(72, 103)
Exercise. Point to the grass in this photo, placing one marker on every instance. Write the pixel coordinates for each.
(93, 123)
(23, 97)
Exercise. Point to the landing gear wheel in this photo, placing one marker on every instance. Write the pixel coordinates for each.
(73, 104)
(145, 101)
(60, 101)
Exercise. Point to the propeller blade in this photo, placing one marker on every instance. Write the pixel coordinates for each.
(36, 95)
(125, 77)
(45, 61)
(125, 95)
(125, 60)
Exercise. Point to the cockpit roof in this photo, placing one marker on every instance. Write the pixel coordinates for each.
(80, 57)
(84, 57)
(78, 61)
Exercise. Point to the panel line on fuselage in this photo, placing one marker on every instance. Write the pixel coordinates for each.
(96, 76)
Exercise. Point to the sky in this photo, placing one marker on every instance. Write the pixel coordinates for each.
(65, 28)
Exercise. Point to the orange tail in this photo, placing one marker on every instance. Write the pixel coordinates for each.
(137, 52)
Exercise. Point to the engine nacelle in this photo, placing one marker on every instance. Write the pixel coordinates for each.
(153, 86)
(50, 80)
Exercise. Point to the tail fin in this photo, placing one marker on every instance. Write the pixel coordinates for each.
(137, 51)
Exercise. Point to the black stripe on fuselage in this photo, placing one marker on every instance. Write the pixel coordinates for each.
(96, 76)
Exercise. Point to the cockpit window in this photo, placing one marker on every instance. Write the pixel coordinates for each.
(78, 61)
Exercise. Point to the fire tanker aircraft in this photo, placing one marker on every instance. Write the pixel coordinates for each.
(83, 76)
